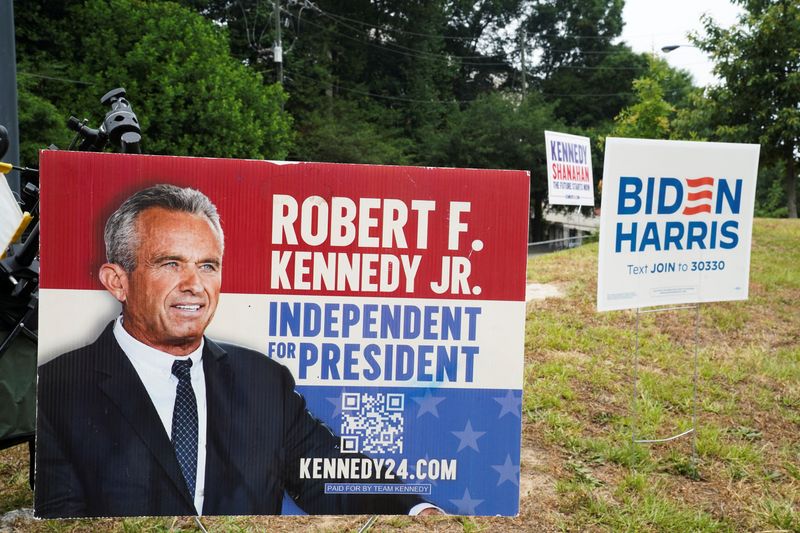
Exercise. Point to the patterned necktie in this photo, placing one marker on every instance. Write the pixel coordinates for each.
(184, 423)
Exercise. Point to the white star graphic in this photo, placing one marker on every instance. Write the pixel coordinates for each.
(468, 437)
(508, 472)
(510, 404)
(466, 505)
(428, 404)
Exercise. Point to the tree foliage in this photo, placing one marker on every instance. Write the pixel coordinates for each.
(40, 123)
(496, 130)
(196, 99)
(759, 99)
(351, 132)
(657, 95)
(430, 82)
(191, 96)
(501, 130)
(582, 69)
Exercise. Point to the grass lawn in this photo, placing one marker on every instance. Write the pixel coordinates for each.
(580, 470)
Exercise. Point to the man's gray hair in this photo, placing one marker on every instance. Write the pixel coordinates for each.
(120, 233)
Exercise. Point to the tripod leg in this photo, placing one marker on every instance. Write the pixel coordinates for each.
(16, 331)
(32, 456)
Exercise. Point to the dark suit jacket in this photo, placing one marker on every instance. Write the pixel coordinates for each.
(103, 451)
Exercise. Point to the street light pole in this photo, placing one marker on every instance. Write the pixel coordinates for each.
(277, 50)
(522, 62)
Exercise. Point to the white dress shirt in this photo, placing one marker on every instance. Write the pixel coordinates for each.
(154, 368)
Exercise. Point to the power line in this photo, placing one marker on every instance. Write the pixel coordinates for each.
(582, 52)
(579, 67)
(406, 47)
(54, 78)
(464, 60)
(419, 101)
(403, 50)
(381, 96)
(395, 30)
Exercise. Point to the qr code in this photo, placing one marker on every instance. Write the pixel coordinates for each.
(372, 423)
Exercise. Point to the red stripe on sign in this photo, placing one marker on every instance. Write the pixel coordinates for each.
(81, 190)
(699, 182)
(693, 196)
(705, 208)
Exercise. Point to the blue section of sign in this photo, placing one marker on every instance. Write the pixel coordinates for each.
(465, 443)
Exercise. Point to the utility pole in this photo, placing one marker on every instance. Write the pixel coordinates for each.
(522, 61)
(277, 49)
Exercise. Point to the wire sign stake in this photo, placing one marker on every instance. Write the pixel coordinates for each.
(634, 399)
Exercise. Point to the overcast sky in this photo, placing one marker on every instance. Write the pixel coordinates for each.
(651, 24)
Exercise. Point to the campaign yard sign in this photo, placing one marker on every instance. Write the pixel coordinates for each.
(394, 295)
(676, 222)
(569, 169)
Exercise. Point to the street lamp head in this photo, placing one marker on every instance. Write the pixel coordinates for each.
(670, 47)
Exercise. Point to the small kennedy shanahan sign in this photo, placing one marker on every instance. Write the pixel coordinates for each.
(569, 169)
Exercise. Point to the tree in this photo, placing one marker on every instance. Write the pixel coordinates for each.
(648, 118)
(651, 114)
(250, 25)
(499, 130)
(484, 53)
(345, 132)
(759, 100)
(580, 68)
(191, 96)
(40, 123)
(695, 119)
(417, 61)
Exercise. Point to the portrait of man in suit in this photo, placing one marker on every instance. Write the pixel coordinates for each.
(155, 418)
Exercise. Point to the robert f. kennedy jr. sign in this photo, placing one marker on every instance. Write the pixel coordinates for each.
(250, 337)
(676, 222)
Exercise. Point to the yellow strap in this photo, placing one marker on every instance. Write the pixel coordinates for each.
(5, 168)
(23, 225)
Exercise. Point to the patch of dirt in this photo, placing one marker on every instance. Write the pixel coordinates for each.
(542, 291)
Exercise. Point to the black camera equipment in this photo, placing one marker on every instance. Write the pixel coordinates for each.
(19, 269)
(120, 126)
(3, 140)
(19, 300)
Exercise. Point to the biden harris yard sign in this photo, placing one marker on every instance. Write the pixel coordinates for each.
(394, 295)
(676, 222)
(569, 169)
